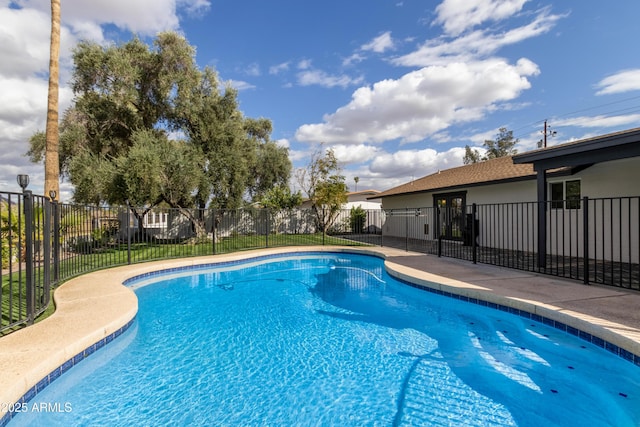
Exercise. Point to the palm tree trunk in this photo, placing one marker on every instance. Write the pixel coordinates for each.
(52, 159)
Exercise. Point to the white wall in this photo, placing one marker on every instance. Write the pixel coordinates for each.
(611, 179)
(614, 225)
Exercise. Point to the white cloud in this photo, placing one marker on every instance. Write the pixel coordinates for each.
(456, 16)
(478, 139)
(354, 154)
(623, 81)
(304, 64)
(353, 59)
(459, 80)
(476, 44)
(241, 85)
(141, 16)
(194, 7)
(379, 44)
(253, 70)
(283, 142)
(279, 68)
(422, 102)
(392, 169)
(310, 77)
(599, 121)
(29, 50)
(416, 163)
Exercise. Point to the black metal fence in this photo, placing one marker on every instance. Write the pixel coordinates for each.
(593, 240)
(43, 243)
(25, 247)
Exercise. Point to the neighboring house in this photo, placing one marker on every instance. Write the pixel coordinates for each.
(558, 177)
(366, 199)
(159, 223)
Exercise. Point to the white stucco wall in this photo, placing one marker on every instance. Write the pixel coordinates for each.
(617, 178)
(366, 205)
(614, 225)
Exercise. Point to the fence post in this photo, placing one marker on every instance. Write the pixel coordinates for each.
(382, 221)
(46, 248)
(474, 246)
(28, 241)
(214, 230)
(406, 229)
(55, 212)
(437, 231)
(267, 228)
(324, 226)
(585, 239)
(128, 233)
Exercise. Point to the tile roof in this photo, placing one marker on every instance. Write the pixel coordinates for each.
(489, 171)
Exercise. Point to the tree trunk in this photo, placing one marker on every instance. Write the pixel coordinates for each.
(52, 159)
(197, 221)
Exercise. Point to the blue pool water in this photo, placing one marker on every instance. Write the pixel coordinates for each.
(332, 340)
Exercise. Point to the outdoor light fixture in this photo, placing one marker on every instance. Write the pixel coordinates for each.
(52, 195)
(23, 181)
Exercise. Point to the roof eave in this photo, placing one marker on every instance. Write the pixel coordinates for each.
(597, 143)
(459, 186)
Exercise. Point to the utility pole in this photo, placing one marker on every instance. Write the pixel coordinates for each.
(546, 132)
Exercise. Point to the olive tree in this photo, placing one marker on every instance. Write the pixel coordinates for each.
(148, 126)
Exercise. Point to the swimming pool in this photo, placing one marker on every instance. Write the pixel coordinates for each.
(331, 339)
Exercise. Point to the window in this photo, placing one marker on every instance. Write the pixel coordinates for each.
(557, 195)
(572, 194)
(565, 194)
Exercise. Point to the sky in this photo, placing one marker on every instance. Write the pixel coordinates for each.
(397, 88)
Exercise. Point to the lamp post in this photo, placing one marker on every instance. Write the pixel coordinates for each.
(23, 181)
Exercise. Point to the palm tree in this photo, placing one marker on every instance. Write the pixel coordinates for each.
(356, 179)
(51, 158)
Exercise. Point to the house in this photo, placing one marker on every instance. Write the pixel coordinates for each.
(366, 199)
(545, 189)
(452, 191)
(341, 221)
(604, 167)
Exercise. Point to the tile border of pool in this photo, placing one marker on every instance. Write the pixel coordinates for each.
(57, 372)
(579, 327)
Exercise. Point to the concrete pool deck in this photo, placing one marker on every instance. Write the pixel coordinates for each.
(94, 307)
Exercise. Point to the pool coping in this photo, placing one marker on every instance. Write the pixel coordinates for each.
(95, 308)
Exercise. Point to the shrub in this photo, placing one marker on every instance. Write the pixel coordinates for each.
(357, 219)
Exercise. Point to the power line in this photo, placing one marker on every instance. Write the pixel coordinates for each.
(602, 116)
(601, 105)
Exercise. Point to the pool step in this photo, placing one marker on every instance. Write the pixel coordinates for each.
(434, 396)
